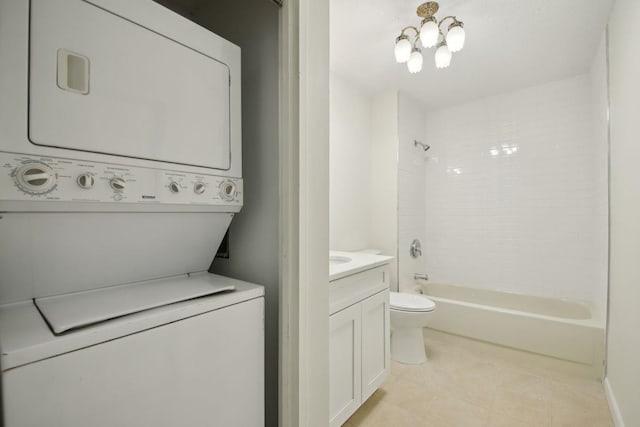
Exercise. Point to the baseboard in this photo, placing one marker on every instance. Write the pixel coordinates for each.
(613, 404)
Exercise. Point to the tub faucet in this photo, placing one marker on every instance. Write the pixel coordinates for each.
(419, 276)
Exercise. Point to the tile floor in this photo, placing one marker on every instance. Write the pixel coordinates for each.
(471, 384)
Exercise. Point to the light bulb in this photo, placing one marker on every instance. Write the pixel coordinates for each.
(402, 50)
(415, 61)
(455, 37)
(429, 33)
(443, 56)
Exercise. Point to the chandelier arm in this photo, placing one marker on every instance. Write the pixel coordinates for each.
(410, 27)
(448, 17)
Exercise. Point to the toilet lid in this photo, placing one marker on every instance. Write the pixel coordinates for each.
(410, 302)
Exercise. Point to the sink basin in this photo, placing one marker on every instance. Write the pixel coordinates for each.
(335, 260)
(342, 263)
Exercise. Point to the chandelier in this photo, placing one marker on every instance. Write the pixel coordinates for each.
(430, 34)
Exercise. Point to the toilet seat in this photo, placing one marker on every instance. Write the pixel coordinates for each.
(410, 302)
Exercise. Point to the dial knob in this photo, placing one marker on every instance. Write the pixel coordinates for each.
(85, 180)
(117, 183)
(174, 187)
(228, 190)
(199, 187)
(35, 178)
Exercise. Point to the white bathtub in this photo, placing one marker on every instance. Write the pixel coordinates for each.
(552, 327)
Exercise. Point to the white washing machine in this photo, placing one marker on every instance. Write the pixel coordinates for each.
(120, 172)
(191, 363)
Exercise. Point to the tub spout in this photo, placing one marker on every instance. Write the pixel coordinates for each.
(420, 276)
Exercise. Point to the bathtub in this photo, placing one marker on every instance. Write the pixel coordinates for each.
(553, 327)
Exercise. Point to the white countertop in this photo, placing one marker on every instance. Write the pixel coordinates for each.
(348, 263)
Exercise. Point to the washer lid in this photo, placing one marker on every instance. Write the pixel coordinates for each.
(64, 312)
(26, 338)
(410, 302)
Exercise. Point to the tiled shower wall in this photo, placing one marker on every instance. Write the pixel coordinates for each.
(515, 191)
(411, 189)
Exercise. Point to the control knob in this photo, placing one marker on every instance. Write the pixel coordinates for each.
(35, 178)
(174, 187)
(228, 190)
(199, 187)
(117, 183)
(85, 180)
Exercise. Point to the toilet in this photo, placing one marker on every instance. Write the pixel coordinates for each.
(409, 314)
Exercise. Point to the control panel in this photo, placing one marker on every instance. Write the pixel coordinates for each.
(47, 178)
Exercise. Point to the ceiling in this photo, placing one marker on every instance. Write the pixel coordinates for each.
(510, 44)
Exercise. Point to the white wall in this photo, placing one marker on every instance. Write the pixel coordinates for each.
(350, 166)
(514, 193)
(623, 346)
(411, 189)
(384, 177)
(363, 171)
(600, 125)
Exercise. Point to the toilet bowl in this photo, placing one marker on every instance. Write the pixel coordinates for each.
(409, 314)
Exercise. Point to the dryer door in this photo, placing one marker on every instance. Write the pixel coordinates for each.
(102, 83)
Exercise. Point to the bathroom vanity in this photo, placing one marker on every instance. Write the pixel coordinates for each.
(359, 330)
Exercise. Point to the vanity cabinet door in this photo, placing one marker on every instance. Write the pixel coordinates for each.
(375, 342)
(345, 352)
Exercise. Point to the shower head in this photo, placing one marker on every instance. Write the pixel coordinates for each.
(424, 146)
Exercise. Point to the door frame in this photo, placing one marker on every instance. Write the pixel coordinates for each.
(304, 213)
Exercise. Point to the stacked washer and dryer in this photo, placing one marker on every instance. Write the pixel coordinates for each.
(120, 172)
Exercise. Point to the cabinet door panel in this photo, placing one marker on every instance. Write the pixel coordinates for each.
(352, 289)
(344, 364)
(375, 342)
